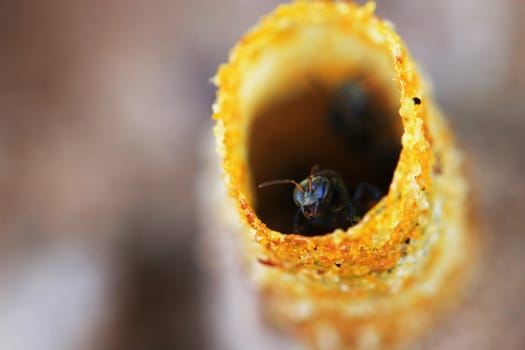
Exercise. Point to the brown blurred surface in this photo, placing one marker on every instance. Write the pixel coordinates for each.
(102, 108)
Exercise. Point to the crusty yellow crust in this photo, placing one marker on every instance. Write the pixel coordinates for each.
(365, 287)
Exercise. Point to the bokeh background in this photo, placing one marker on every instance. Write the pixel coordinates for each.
(104, 108)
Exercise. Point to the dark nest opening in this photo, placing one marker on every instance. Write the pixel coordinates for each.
(351, 126)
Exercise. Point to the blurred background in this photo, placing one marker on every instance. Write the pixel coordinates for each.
(104, 106)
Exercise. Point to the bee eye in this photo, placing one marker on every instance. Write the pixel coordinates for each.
(298, 197)
(320, 188)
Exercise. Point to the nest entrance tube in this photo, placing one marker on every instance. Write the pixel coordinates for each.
(350, 125)
(385, 281)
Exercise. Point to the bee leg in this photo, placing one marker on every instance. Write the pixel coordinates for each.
(298, 222)
(366, 196)
(352, 218)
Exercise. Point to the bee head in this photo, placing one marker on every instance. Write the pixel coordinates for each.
(311, 193)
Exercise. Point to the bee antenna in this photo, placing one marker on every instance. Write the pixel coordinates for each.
(315, 167)
(280, 181)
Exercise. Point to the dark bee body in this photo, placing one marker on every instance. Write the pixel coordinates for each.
(352, 114)
(366, 123)
(330, 206)
(324, 203)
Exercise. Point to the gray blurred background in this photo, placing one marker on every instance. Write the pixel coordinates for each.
(103, 109)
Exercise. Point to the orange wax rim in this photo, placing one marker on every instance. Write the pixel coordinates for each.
(383, 281)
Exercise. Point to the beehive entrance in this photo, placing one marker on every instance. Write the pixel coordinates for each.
(294, 132)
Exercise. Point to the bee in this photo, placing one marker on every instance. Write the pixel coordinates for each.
(363, 119)
(353, 114)
(324, 203)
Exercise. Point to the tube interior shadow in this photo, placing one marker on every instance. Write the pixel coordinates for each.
(351, 127)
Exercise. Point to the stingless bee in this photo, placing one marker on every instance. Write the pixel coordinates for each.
(324, 203)
(354, 115)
